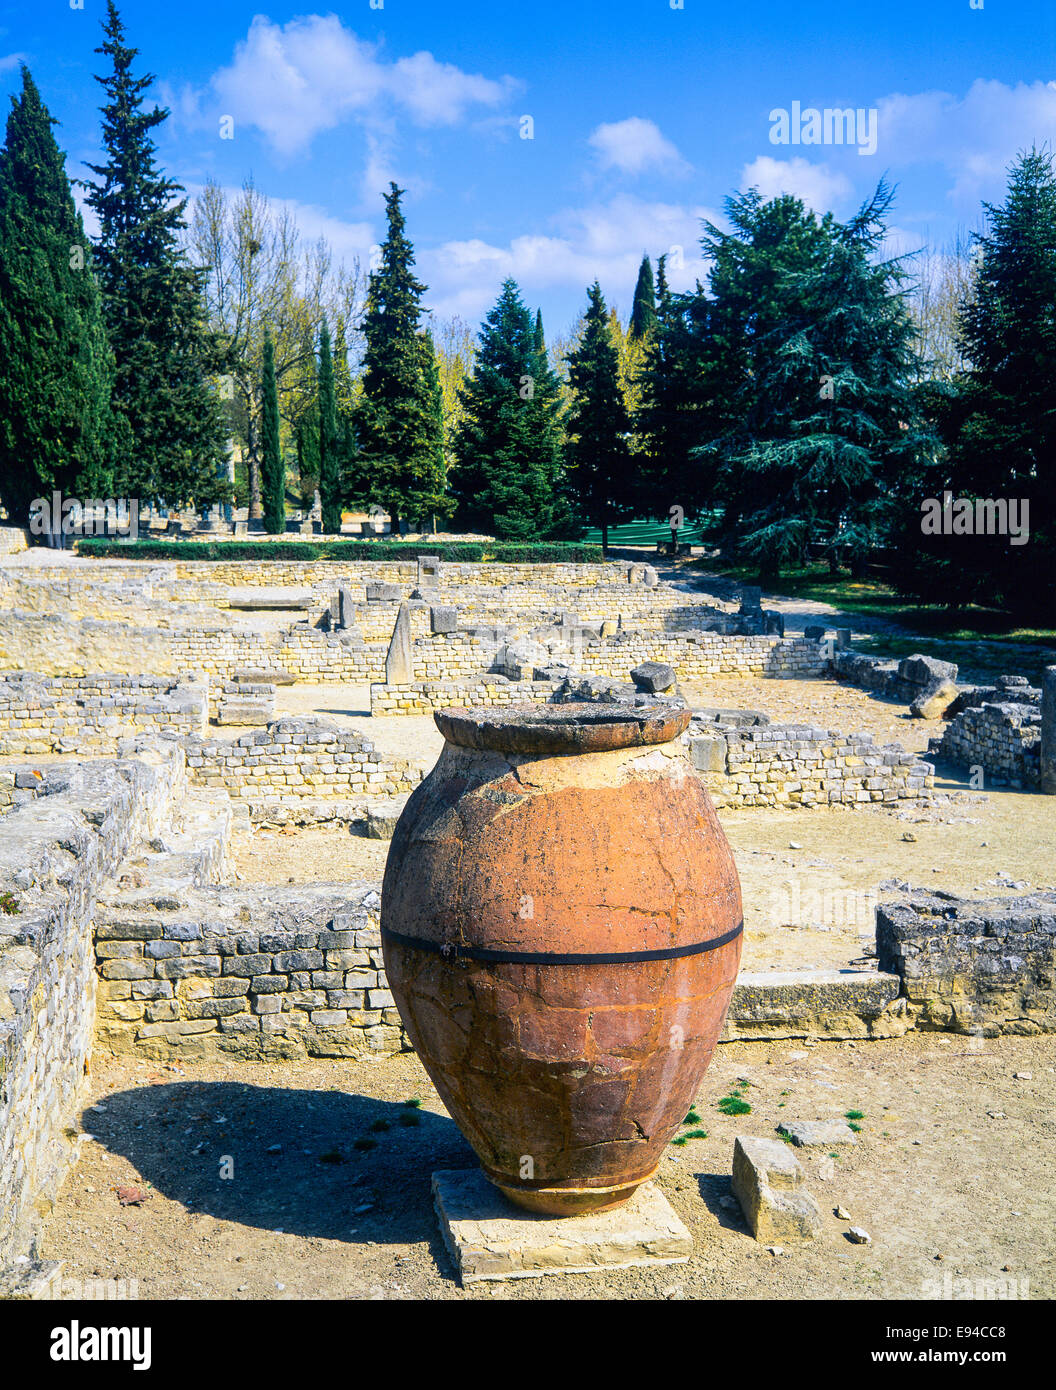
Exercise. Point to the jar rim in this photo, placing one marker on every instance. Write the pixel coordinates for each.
(567, 728)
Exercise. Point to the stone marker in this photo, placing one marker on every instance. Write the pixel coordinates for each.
(708, 754)
(443, 618)
(751, 596)
(490, 1238)
(644, 575)
(1048, 731)
(843, 639)
(768, 1183)
(817, 1133)
(399, 664)
(428, 571)
(346, 604)
(815, 633)
(775, 623)
(654, 677)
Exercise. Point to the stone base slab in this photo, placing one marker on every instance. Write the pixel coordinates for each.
(490, 1238)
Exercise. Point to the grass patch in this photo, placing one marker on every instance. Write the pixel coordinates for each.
(690, 1134)
(332, 1156)
(9, 905)
(692, 1118)
(854, 1115)
(365, 1143)
(409, 1119)
(466, 552)
(379, 1126)
(937, 625)
(734, 1105)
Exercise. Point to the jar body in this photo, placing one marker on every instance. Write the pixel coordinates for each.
(561, 936)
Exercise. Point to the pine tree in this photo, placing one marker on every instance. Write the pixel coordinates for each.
(330, 482)
(509, 475)
(643, 310)
(817, 370)
(57, 430)
(1000, 419)
(401, 454)
(598, 457)
(273, 468)
(152, 299)
(677, 395)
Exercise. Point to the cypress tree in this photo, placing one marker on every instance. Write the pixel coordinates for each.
(540, 339)
(272, 466)
(509, 477)
(401, 455)
(329, 440)
(152, 299)
(598, 455)
(643, 311)
(308, 455)
(57, 429)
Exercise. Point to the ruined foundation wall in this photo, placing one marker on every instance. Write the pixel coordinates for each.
(54, 852)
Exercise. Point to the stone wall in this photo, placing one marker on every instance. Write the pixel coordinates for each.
(800, 765)
(256, 973)
(699, 656)
(276, 771)
(91, 714)
(973, 967)
(54, 852)
(422, 697)
(1003, 739)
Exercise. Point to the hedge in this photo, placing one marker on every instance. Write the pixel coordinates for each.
(504, 552)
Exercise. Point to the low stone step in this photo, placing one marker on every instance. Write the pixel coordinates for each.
(830, 1004)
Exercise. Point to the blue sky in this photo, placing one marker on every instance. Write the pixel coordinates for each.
(645, 117)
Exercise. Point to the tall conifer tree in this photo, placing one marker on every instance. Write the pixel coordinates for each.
(57, 429)
(509, 475)
(272, 466)
(330, 480)
(152, 299)
(400, 463)
(598, 456)
(643, 310)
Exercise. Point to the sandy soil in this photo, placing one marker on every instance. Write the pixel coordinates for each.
(952, 1177)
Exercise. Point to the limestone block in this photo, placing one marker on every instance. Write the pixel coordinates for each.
(818, 1133)
(934, 700)
(490, 1238)
(768, 1183)
(653, 677)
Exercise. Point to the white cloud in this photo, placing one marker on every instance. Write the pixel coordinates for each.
(976, 137)
(634, 146)
(11, 60)
(819, 187)
(293, 81)
(603, 241)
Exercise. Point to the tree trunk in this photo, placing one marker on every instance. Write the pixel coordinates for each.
(604, 537)
(394, 522)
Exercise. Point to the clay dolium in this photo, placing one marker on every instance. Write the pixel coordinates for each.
(561, 924)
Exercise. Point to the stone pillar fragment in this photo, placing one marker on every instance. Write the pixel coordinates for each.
(399, 663)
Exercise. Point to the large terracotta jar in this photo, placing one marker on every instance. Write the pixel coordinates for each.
(561, 923)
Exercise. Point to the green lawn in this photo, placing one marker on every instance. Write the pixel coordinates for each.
(943, 632)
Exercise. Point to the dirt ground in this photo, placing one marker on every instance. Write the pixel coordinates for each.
(951, 1177)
